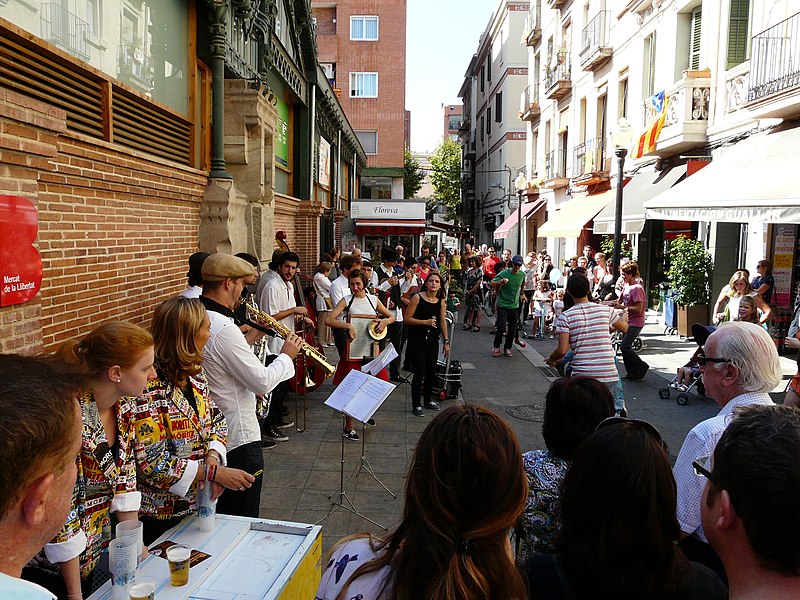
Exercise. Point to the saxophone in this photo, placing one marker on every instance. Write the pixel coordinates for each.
(262, 318)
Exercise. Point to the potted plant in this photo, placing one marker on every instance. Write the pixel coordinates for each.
(690, 273)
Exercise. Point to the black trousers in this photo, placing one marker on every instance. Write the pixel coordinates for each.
(275, 414)
(423, 352)
(506, 320)
(250, 458)
(340, 341)
(395, 336)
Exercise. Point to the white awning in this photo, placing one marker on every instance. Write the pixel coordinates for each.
(568, 221)
(751, 181)
(642, 187)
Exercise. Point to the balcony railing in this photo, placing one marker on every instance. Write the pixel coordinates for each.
(589, 161)
(529, 103)
(686, 122)
(595, 41)
(135, 67)
(555, 167)
(558, 77)
(62, 28)
(533, 24)
(775, 60)
(241, 52)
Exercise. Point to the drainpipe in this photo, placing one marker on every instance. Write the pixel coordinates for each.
(218, 12)
(312, 133)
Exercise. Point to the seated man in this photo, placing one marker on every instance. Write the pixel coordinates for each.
(750, 505)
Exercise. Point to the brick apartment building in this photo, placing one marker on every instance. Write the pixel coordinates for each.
(362, 47)
(453, 119)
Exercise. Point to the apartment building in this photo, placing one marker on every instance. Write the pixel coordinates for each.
(492, 136)
(453, 119)
(362, 47)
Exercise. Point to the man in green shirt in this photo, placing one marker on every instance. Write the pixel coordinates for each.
(509, 282)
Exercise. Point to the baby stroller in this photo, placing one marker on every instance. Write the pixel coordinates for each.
(700, 334)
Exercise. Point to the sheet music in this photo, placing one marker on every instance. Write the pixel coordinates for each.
(359, 395)
(381, 361)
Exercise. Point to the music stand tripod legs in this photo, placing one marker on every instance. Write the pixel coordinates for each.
(342, 499)
(364, 464)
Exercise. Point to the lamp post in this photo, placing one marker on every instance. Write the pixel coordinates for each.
(521, 184)
(621, 137)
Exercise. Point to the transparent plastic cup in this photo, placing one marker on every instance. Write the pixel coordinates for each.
(178, 557)
(206, 508)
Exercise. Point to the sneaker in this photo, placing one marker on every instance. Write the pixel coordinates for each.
(265, 443)
(673, 385)
(495, 351)
(432, 405)
(682, 388)
(552, 337)
(418, 412)
(284, 423)
(371, 422)
(507, 352)
(621, 413)
(521, 344)
(351, 435)
(272, 433)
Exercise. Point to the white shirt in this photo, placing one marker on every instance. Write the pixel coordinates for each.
(700, 443)
(277, 296)
(193, 291)
(263, 280)
(385, 286)
(344, 561)
(340, 289)
(235, 376)
(323, 286)
(19, 589)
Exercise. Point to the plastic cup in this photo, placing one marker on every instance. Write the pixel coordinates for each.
(134, 530)
(143, 588)
(122, 564)
(178, 557)
(206, 508)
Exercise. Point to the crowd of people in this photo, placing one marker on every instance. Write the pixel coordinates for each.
(135, 422)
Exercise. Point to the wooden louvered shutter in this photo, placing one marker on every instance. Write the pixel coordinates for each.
(738, 32)
(694, 41)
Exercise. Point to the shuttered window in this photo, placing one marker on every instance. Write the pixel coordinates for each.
(738, 33)
(694, 38)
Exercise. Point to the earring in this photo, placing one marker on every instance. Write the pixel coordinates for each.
(118, 380)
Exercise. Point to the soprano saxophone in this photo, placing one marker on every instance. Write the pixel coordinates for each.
(262, 318)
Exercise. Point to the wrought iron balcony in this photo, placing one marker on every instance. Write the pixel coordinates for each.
(529, 103)
(555, 170)
(533, 25)
(558, 78)
(135, 67)
(589, 166)
(686, 122)
(775, 65)
(65, 30)
(595, 41)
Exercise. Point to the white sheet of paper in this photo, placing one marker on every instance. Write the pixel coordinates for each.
(381, 361)
(359, 395)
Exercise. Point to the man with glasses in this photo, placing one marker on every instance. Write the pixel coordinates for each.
(749, 506)
(740, 366)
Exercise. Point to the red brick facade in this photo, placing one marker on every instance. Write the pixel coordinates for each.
(115, 226)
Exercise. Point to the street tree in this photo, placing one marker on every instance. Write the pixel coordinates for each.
(446, 177)
(413, 175)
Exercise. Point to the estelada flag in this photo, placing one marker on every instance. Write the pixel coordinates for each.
(646, 142)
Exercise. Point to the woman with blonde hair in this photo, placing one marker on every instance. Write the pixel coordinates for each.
(180, 432)
(465, 490)
(118, 360)
(322, 285)
(739, 288)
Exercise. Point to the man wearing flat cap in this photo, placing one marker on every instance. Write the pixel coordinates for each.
(236, 375)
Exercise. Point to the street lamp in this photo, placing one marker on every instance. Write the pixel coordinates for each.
(622, 138)
(521, 184)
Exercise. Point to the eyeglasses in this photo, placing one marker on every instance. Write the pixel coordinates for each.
(703, 360)
(648, 428)
(491, 251)
(700, 469)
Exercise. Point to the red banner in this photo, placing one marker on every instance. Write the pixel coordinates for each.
(20, 263)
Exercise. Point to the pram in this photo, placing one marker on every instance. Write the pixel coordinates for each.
(700, 334)
(447, 382)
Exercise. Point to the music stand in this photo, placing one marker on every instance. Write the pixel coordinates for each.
(359, 395)
(364, 464)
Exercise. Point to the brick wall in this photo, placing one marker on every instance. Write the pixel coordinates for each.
(115, 227)
(299, 219)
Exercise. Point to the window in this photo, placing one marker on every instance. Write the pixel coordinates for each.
(649, 70)
(483, 78)
(622, 107)
(738, 28)
(488, 69)
(498, 107)
(489, 120)
(364, 29)
(483, 128)
(694, 38)
(363, 85)
(369, 140)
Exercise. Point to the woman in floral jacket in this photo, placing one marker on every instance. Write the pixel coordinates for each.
(180, 432)
(119, 360)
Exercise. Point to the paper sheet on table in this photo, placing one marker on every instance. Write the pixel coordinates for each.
(359, 395)
(383, 359)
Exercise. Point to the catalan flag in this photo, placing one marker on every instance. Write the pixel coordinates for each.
(646, 142)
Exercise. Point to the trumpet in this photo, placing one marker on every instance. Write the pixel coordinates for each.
(262, 318)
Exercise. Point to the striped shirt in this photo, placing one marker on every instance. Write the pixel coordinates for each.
(588, 327)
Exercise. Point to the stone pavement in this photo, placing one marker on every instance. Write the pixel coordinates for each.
(300, 474)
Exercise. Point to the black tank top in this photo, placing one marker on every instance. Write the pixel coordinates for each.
(425, 310)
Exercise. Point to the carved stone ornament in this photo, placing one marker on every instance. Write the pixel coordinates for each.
(217, 27)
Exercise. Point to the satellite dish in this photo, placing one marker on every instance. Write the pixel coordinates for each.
(555, 276)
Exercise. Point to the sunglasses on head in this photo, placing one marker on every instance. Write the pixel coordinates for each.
(703, 360)
(703, 468)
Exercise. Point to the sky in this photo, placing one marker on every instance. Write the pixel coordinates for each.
(442, 36)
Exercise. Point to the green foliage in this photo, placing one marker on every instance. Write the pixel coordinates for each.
(446, 177)
(607, 248)
(413, 175)
(689, 271)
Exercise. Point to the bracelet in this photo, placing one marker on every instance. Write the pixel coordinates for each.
(446, 341)
(211, 472)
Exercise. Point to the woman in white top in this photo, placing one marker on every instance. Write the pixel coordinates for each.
(322, 285)
(739, 288)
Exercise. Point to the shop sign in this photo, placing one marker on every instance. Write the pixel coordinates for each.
(387, 210)
(324, 162)
(20, 263)
(783, 261)
(282, 134)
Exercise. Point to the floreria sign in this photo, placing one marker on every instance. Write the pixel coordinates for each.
(400, 209)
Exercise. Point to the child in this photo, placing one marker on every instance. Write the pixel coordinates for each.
(453, 302)
(558, 307)
(541, 303)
